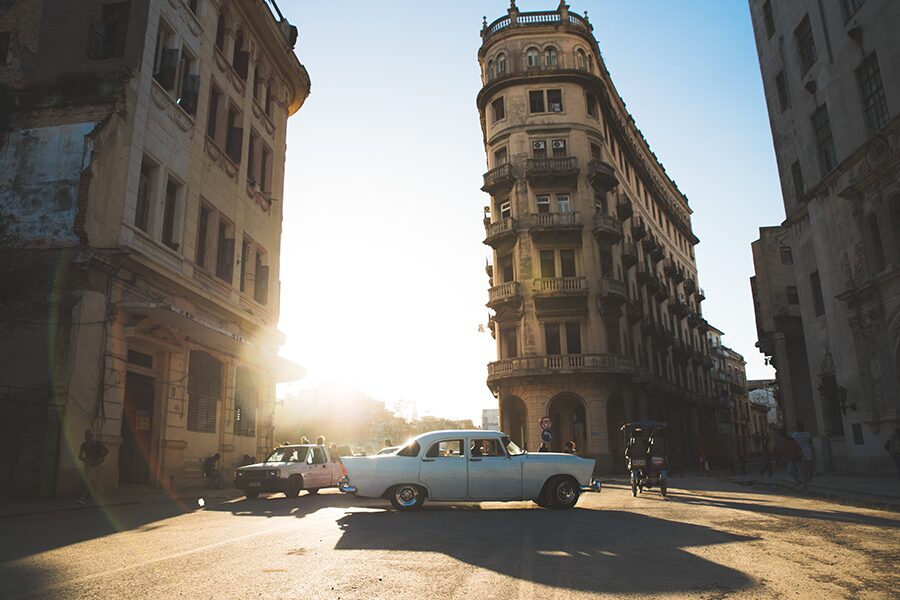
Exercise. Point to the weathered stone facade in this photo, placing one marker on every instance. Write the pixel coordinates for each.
(832, 79)
(141, 180)
(594, 284)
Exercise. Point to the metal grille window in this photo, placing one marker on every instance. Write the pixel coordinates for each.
(872, 91)
(806, 45)
(797, 176)
(824, 141)
(204, 391)
(246, 399)
(769, 19)
(784, 101)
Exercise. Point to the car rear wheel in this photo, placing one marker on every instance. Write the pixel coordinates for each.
(562, 492)
(407, 496)
(293, 487)
(251, 494)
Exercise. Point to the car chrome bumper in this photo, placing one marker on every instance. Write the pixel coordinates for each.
(593, 487)
(344, 486)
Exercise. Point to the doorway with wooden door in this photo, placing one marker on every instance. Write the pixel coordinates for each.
(137, 426)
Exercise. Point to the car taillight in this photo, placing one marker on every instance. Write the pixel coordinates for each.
(343, 470)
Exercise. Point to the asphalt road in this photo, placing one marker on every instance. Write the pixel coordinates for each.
(709, 539)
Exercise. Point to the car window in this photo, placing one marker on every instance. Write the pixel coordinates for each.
(318, 455)
(511, 447)
(446, 449)
(296, 455)
(411, 448)
(486, 447)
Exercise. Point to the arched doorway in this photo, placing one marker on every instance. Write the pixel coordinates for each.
(615, 418)
(514, 419)
(569, 422)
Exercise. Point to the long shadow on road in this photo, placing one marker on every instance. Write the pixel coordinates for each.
(588, 550)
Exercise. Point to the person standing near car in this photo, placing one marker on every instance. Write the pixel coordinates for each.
(91, 455)
(892, 445)
(804, 440)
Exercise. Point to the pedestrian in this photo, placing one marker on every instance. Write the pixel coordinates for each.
(892, 445)
(804, 440)
(388, 443)
(304, 440)
(543, 447)
(766, 460)
(703, 463)
(320, 441)
(570, 447)
(91, 455)
(795, 460)
(210, 470)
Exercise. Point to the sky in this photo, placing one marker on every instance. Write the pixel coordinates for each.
(382, 268)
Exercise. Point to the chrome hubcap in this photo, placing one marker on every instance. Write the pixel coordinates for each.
(564, 492)
(406, 495)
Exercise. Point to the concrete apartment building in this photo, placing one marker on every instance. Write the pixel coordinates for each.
(735, 420)
(141, 192)
(827, 280)
(597, 308)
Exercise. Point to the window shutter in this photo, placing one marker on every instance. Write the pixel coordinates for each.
(190, 93)
(234, 142)
(225, 268)
(261, 291)
(242, 63)
(168, 68)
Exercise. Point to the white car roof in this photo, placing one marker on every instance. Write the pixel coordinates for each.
(457, 433)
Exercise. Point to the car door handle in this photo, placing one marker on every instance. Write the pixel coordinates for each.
(427, 460)
(474, 460)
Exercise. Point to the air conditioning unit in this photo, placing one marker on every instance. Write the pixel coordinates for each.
(540, 145)
(559, 144)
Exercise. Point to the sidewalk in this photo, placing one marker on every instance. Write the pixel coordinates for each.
(187, 498)
(869, 490)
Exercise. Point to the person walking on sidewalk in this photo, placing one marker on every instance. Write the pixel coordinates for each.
(795, 460)
(804, 440)
(703, 463)
(892, 445)
(91, 455)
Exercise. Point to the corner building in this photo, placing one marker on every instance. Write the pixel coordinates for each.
(140, 292)
(597, 310)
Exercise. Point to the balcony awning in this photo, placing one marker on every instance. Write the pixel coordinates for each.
(216, 336)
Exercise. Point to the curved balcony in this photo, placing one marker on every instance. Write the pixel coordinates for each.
(679, 307)
(638, 229)
(681, 352)
(499, 179)
(500, 231)
(649, 242)
(602, 176)
(552, 170)
(625, 209)
(560, 286)
(606, 229)
(555, 18)
(634, 311)
(529, 366)
(613, 293)
(662, 293)
(554, 221)
(629, 253)
(701, 295)
(690, 286)
(505, 295)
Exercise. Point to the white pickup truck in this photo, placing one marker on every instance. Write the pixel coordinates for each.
(290, 469)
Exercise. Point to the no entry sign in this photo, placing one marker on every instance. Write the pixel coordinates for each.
(545, 423)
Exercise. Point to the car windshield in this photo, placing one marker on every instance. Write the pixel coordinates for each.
(511, 448)
(286, 454)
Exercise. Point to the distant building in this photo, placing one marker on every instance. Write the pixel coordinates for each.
(831, 73)
(141, 196)
(490, 419)
(594, 285)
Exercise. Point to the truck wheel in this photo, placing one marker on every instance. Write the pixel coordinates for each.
(407, 496)
(251, 494)
(313, 491)
(562, 492)
(293, 487)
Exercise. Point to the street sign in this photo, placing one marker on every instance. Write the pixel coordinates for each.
(546, 436)
(546, 423)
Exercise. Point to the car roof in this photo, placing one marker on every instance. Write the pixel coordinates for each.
(451, 433)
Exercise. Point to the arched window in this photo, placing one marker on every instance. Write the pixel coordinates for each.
(501, 64)
(533, 57)
(550, 57)
(220, 32)
(581, 58)
(490, 70)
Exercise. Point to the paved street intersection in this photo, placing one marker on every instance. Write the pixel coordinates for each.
(710, 539)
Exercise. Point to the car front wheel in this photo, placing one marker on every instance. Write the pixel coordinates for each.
(251, 494)
(293, 487)
(562, 492)
(407, 496)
